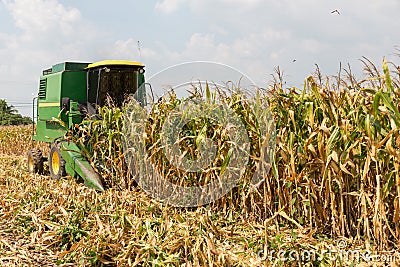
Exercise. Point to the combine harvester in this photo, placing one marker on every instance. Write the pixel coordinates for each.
(68, 93)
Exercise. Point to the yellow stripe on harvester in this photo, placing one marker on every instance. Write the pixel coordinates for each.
(113, 63)
(50, 104)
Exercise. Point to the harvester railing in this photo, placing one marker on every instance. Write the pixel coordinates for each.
(34, 118)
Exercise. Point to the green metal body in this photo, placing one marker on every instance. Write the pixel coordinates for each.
(65, 80)
(71, 81)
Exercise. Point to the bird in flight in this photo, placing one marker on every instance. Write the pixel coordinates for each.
(336, 11)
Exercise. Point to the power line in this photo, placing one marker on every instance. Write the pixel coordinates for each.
(22, 101)
(13, 80)
(20, 106)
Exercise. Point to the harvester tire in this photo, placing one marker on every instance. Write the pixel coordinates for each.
(35, 161)
(56, 162)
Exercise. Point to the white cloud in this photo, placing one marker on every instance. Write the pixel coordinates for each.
(47, 33)
(168, 6)
(35, 16)
(255, 54)
(129, 50)
(243, 4)
(205, 47)
(171, 6)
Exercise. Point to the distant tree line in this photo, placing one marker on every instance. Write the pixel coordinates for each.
(10, 116)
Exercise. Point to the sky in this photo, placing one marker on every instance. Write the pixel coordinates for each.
(253, 36)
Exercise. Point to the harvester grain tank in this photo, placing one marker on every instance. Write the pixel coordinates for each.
(70, 92)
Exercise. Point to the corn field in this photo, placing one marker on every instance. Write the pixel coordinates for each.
(335, 177)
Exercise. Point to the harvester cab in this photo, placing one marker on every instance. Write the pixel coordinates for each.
(69, 92)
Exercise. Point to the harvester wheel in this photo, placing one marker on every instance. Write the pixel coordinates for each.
(35, 161)
(56, 162)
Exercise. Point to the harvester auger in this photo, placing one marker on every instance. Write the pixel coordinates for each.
(70, 92)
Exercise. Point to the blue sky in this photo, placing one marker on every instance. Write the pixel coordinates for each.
(254, 36)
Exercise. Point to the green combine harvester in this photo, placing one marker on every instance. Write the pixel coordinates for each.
(70, 92)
